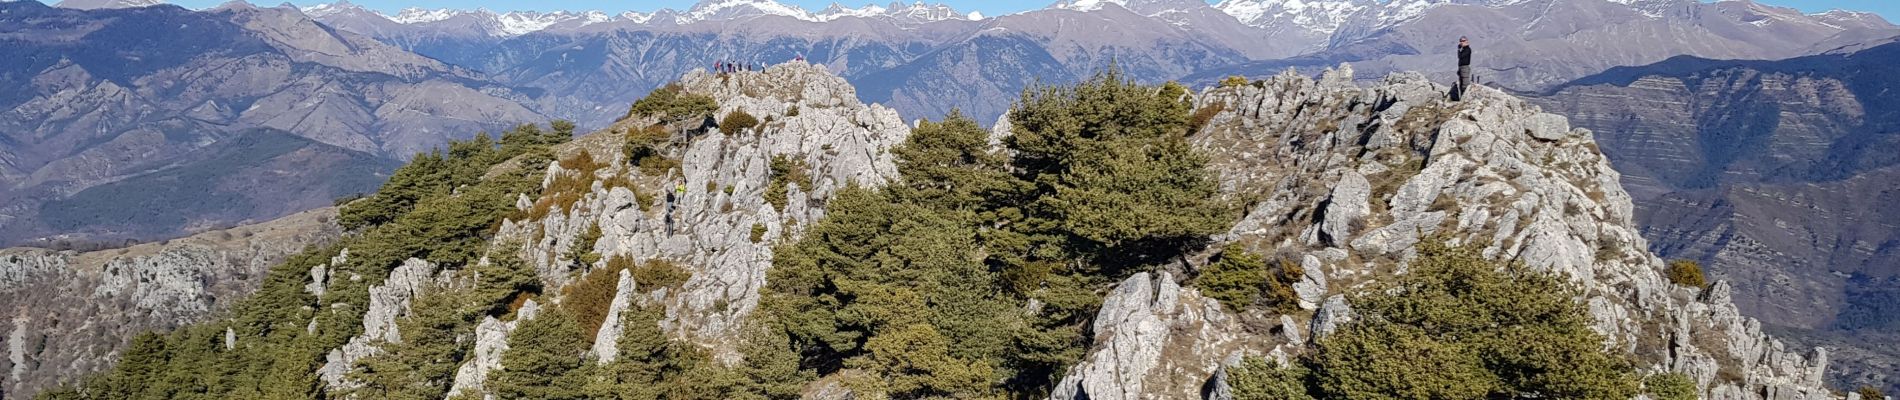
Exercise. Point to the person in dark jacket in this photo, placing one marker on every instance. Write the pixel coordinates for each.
(1464, 69)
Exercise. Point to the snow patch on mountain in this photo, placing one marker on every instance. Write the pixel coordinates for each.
(917, 12)
(101, 4)
(1321, 16)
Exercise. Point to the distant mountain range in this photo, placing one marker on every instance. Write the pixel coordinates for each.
(1779, 175)
(261, 112)
(386, 86)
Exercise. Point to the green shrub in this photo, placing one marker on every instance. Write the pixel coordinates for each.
(736, 122)
(672, 105)
(1670, 386)
(1239, 279)
(1262, 379)
(646, 148)
(758, 232)
(785, 171)
(1233, 81)
(658, 273)
(1456, 327)
(1687, 273)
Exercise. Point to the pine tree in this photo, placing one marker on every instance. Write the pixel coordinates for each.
(543, 360)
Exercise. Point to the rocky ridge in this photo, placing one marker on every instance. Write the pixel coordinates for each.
(808, 115)
(69, 314)
(1349, 178)
(1344, 179)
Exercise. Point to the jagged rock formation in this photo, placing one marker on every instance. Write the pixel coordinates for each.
(491, 339)
(1147, 337)
(808, 114)
(1493, 171)
(68, 314)
(387, 302)
(607, 340)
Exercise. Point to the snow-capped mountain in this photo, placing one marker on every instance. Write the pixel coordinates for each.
(516, 23)
(918, 12)
(98, 4)
(1143, 7)
(1317, 17)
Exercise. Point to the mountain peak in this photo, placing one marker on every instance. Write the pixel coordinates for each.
(102, 4)
(731, 9)
(1143, 7)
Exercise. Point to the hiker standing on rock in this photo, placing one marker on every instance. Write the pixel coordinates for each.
(1464, 69)
(673, 199)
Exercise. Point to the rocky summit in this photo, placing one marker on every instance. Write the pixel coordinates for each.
(1344, 180)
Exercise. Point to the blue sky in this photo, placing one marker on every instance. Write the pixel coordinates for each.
(1887, 8)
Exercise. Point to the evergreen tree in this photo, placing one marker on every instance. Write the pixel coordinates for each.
(423, 364)
(543, 360)
(1113, 174)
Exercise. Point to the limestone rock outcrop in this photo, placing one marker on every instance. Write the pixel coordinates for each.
(66, 314)
(1350, 178)
(387, 302)
(1153, 336)
(808, 116)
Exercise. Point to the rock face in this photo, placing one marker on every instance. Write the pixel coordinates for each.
(1153, 337)
(808, 115)
(67, 314)
(1492, 171)
(607, 340)
(1769, 173)
(387, 302)
(491, 339)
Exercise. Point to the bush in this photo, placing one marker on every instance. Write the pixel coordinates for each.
(785, 171)
(1239, 279)
(736, 122)
(1233, 81)
(1262, 379)
(1870, 393)
(659, 273)
(589, 298)
(1084, 146)
(1202, 116)
(1670, 386)
(1687, 273)
(1455, 326)
(646, 148)
(758, 232)
(672, 105)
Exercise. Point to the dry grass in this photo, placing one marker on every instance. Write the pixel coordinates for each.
(591, 297)
(569, 187)
(1202, 116)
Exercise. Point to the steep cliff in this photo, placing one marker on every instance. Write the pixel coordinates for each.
(70, 314)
